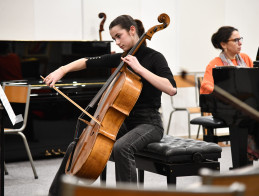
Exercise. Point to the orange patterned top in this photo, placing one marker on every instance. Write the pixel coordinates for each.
(207, 84)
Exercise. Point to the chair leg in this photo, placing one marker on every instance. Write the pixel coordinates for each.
(29, 154)
(198, 132)
(169, 122)
(215, 131)
(5, 169)
(141, 177)
(189, 125)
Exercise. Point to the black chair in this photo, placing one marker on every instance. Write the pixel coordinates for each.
(210, 124)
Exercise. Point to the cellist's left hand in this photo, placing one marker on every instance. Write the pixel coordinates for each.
(161, 83)
(133, 62)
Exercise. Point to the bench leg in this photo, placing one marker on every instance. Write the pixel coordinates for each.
(171, 179)
(141, 177)
(103, 176)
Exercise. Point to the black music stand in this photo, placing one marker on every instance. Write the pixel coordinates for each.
(256, 62)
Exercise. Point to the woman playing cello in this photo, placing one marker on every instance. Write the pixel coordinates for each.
(144, 124)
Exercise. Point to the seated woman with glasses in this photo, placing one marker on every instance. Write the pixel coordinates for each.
(228, 40)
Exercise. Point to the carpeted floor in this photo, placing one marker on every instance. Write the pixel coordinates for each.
(20, 180)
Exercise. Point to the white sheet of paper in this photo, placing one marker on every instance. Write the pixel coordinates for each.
(14, 119)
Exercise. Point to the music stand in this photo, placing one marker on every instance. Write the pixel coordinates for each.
(256, 62)
(1, 151)
(257, 56)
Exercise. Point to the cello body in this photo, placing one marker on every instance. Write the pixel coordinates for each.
(115, 105)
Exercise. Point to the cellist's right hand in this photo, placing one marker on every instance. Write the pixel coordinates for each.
(55, 76)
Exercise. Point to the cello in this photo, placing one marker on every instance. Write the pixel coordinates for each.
(117, 98)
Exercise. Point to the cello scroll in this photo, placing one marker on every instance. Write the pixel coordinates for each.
(101, 15)
(162, 18)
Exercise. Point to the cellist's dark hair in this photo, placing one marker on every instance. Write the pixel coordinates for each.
(126, 21)
(222, 35)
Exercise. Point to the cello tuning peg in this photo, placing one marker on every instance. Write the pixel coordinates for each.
(61, 152)
(54, 152)
(47, 153)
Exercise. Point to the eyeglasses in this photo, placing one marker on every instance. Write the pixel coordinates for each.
(237, 40)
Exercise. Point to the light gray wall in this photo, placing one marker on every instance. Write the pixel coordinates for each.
(185, 43)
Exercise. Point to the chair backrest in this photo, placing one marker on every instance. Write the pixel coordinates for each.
(249, 176)
(72, 186)
(189, 81)
(19, 94)
(199, 81)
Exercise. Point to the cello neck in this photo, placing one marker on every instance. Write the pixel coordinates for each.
(114, 74)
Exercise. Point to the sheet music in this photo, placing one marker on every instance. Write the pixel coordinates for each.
(14, 119)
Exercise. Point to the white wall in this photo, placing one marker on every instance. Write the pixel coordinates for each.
(246, 21)
(58, 20)
(185, 43)
(17, 19)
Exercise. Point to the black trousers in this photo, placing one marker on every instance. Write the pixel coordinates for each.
(55, 186)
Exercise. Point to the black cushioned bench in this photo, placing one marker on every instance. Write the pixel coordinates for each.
(175, 156)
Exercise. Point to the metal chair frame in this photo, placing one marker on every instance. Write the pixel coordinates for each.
(181, 83)
(20, 94)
